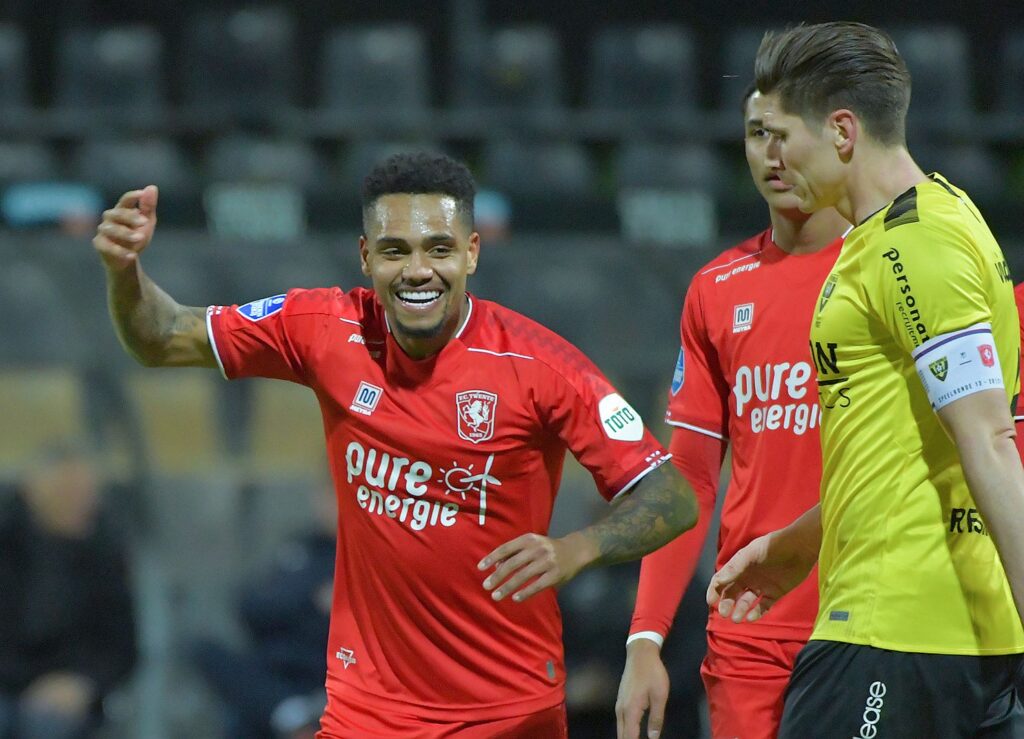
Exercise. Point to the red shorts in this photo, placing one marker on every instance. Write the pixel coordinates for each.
(347, 722)
(746, 681)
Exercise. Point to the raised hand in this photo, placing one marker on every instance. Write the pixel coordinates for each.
(127, 228)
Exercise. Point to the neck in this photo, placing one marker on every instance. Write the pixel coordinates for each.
(881, 175)
(799, 233)
(421, 347)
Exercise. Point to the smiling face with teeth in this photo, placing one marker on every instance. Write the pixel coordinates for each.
(418, 250)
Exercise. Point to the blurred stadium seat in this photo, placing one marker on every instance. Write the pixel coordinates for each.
(27, 161)
(1010, 73)
(738, 51)
(520, 72)
(254, 270)
(969, 166)
(41, 325)
(14, 69)
(648, 164)
(40, 406)
(177, 412)
(240, 61)
(243, 158)
(538, 168)
(358, 158)
(118, 165)
(284, 463)
(938, 57)
(577, 289)
(646, 69)
(374, 68)
(113, 70)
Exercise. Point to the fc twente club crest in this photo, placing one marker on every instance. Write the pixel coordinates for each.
(476, 414)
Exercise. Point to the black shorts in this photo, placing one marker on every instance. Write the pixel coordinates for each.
(852, 691)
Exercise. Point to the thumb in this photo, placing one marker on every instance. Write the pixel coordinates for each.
(147, 200)
(720, 580)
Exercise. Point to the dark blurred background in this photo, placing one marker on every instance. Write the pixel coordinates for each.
(606, 139)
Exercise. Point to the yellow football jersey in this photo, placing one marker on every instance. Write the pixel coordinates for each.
(906, 561)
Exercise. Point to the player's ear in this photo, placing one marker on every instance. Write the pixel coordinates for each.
(844, 128)
(472, 253)
(364, 252)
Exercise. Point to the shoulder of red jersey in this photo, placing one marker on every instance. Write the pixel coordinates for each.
(1018, 294)
(357, 306)
(743, 257)
(503, 332)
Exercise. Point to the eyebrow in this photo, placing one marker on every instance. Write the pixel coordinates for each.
(755, 122)
(433, 238)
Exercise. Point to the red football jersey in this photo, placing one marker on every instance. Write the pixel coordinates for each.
(745, 374)
(436, 462)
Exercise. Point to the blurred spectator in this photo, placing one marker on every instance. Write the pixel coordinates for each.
(275, 688)
(67, 631)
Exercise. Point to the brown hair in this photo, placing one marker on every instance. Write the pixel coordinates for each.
(816, 69)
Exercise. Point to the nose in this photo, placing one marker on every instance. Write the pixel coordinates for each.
(417, 269)
(773, 153)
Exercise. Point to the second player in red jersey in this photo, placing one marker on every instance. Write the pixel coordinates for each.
(744, 378)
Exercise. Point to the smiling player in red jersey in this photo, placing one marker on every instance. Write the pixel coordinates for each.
(447, 420)
(744, 378)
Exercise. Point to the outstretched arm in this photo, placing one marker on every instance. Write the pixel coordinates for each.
(766, 569)
(659, 508)
(151, 325)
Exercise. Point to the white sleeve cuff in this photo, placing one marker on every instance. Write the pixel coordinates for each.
(654, 636)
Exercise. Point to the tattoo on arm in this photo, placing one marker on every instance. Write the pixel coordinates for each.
(657, 510)
(153, 327)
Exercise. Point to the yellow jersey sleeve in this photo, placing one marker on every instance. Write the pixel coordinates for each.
(930, 282)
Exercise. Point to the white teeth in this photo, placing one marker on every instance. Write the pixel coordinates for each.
(416, 296)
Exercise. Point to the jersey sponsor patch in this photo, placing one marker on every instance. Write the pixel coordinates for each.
(366, 398)
(680, 374)
(257, 310)
(958, 364)
(619, 420)
(742, 317)
(475, 411)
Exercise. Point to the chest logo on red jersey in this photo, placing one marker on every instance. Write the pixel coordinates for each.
(742, 317)
(475, 410)
(366, 398)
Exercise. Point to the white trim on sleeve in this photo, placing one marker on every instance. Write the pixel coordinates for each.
(654, 636)
(213, 341)
(655, 464)
(698, 429)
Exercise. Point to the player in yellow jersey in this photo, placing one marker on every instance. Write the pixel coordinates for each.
(920, 531)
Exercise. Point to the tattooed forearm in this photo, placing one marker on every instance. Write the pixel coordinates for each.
(152, 326)
(659, 508)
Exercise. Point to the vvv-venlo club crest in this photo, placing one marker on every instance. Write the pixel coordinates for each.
(939, 368)
(476, 414)
(826, 291)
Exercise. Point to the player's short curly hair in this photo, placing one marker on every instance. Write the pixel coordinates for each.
(422, 172)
